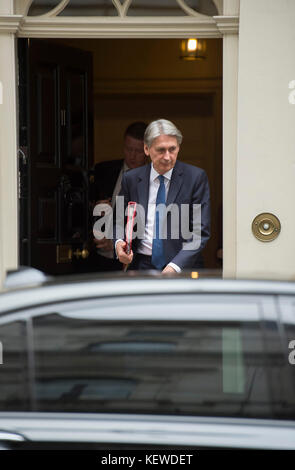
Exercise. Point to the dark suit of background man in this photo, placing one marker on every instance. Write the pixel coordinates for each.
(107, 185)
(184, 184)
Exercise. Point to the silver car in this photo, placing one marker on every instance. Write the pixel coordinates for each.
(148, 362)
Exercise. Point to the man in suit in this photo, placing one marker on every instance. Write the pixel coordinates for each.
(170, 183)
(108, 174)
(107, 185)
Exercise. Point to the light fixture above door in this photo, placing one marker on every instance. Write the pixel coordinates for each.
(193, 49)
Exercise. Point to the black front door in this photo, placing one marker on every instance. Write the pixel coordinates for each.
(59, 153)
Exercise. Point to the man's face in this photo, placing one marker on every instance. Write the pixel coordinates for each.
(163, 153)
(133, 152)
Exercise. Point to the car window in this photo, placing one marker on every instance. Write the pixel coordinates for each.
(212, 362)
(287, 312)
(14, 377)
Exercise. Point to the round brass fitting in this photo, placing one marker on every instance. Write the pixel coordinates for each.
(266, 227)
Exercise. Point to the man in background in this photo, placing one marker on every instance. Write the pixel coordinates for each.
(107, 185)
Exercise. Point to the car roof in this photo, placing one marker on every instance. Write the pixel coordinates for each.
(78, 287)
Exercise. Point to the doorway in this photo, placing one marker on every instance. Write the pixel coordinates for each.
(145, 79)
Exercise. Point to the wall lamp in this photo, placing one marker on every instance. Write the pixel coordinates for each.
(193, 49)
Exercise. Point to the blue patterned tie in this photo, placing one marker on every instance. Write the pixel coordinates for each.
(158, 257)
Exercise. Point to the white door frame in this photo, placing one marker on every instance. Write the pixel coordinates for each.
(14, 23)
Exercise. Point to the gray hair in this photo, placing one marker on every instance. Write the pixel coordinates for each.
(161, 127)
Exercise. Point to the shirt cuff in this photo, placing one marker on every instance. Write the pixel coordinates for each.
(175, 267)
(120, 240)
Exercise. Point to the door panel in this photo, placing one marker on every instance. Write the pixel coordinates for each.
(76, 135)
(47, 215)
(47, 101)
(60, 137)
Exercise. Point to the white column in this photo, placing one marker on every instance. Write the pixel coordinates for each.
(230, 97)
(8, 150)
(266, 143)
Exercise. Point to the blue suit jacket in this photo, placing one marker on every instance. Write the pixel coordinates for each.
(188, 185)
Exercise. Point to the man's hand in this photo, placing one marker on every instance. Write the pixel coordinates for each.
(168, 270)
(104, 244)
(121, 253)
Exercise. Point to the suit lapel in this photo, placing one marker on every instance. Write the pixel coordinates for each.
(175, 183)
